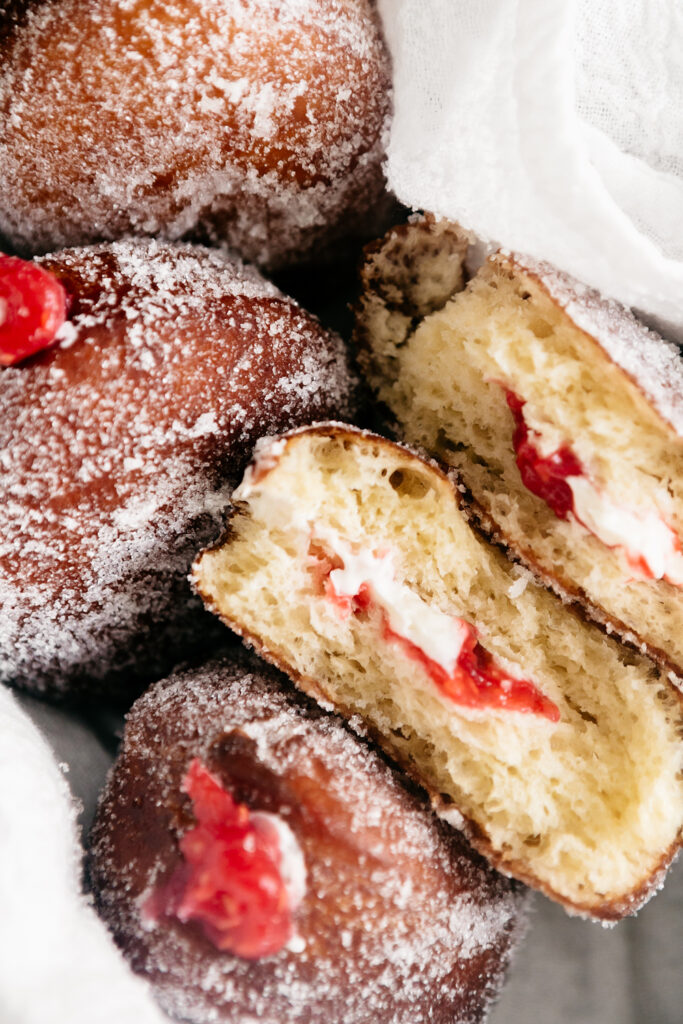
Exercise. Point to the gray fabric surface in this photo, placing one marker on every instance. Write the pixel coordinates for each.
(80, 751)
(571, 971)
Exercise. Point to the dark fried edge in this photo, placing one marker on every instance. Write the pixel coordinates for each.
(371, 280)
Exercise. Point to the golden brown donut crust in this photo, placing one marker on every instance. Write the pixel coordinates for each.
(239, 121)
(121, 445)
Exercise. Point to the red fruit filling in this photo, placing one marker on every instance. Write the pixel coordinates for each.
(33, 306)
(230, 881)
(476, 680)
(547, 478)
(544, 475)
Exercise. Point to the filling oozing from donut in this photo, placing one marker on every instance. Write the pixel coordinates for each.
(242, 875)
(349, 563)
(444, 646)
(33, 307)
(651, 548)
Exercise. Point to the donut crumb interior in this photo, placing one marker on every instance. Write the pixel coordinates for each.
(589, 808)
(442, 369)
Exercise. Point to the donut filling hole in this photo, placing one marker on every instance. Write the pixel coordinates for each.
(233, 880)
(350, 563)
(447, 383)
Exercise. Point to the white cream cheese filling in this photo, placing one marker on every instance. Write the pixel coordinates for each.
(437, 634)
(292, 869)
(640, 534)
(440, 636)
(292, 864)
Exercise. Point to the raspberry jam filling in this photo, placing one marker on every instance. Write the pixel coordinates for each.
(33, 307)
(650, 547)
(445, 646)
(545, 476)
(476, 681)
(232, 881)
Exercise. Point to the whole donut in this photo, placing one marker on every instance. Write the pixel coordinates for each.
(120, 444)
(252, 122)
(396, 919)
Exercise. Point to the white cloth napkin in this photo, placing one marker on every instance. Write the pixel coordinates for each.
(58, 964)
(552, 127)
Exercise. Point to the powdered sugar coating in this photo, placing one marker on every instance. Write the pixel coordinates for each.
(653, 364)
(401, 922)
(119, 449)
(255, 122)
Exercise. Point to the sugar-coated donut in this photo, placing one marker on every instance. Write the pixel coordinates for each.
(252, 122)
(562, 414)
(121, 442)
(367, 908)
(350, 562)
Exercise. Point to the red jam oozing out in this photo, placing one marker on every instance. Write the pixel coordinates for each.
(33, 306)
(544, 475)
(476, 681)
(230, 881)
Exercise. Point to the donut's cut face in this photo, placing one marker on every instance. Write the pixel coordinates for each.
(120, 445)
(562, 415)
(288, 819)
(254, 122)
(575, 787)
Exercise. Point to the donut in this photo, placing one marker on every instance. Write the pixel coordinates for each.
(560, 412)
(245, 122)
(350, 563)
(347, 900)
(159, 366)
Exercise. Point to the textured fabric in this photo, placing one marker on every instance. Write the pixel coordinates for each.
(553, 127)
(57, 963)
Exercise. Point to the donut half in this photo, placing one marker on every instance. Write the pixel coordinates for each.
(562, 414)
(349, 562)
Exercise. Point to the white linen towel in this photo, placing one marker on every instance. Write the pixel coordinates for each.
(58, 964)
(551, 127)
